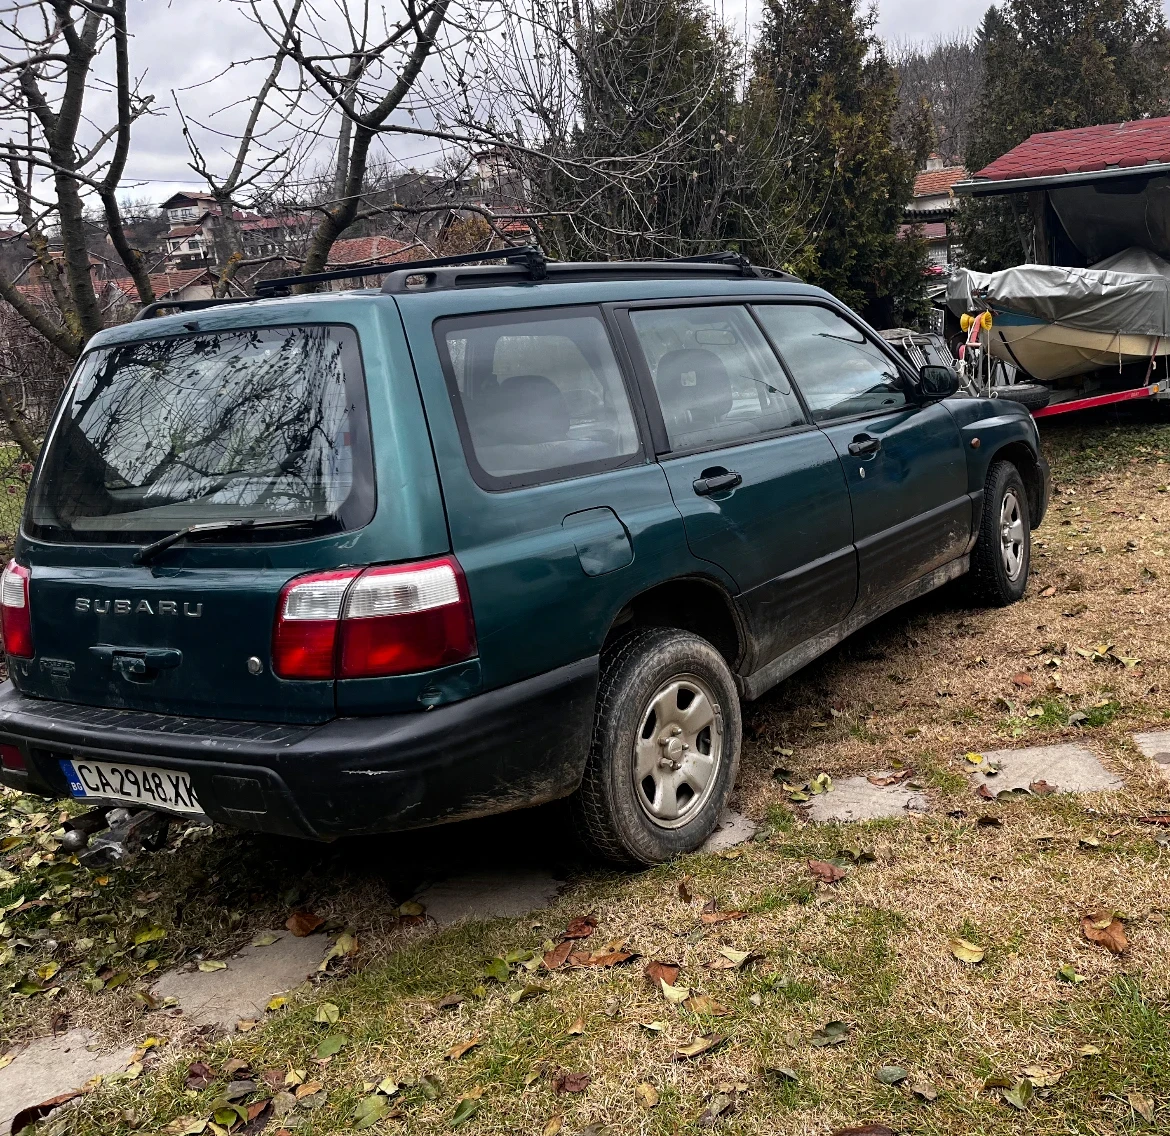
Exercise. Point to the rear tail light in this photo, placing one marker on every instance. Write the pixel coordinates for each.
(373, 623)
(15, 614)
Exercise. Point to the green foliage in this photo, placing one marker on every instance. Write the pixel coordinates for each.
(822, 73)
(1056, 65)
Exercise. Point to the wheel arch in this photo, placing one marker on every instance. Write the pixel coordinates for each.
(1025, 459)
(691, 603)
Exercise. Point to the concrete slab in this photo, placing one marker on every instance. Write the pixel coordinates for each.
(50, 1066)
(224, 997)
(734, 828)
(856, 798)
(1071, 768)
(488, 895)
(1156, 746)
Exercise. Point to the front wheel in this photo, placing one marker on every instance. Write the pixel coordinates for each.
(665, 753)
(1003, 553)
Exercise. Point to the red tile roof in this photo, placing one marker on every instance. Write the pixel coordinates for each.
(930, 183)
(362, 250)
(933, 231)
(1086, 150)
(165, 284)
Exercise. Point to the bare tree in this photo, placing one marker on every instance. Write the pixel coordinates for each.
(56, 161)
(945, 77)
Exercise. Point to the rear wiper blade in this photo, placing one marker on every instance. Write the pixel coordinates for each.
(149, 551)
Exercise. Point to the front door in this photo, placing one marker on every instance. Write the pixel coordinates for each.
(903, 462)
(761, 490)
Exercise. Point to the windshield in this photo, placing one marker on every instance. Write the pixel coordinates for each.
(160, 434)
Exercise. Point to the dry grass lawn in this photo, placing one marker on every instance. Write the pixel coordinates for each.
(919, 690)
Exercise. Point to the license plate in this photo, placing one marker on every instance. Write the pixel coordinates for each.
(141, 785)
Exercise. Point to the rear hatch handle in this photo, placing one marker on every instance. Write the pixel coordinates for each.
(138, 664)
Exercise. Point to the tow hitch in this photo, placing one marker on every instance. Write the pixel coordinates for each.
(109, 835)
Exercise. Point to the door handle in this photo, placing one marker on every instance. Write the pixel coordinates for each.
(864, 444)
(716, 482)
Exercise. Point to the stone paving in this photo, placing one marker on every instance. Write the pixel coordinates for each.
(50, 1066)
(1070, 768)
(240, 993)
(491, 894)
(1156, 746)
(734, 828)
(857, 798)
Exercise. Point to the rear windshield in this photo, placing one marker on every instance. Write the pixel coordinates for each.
(160, 434)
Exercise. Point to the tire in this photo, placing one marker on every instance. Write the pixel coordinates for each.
(649, 678)
(1002, 556)
(1034, 396)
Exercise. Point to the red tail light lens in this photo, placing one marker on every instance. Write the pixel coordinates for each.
(373, 623)
(15, 614)
(11, 758)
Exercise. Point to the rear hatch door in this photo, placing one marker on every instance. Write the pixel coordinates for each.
(269, 426)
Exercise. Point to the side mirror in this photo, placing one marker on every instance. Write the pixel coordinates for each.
(935, 383)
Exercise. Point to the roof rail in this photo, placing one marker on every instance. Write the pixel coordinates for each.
(149, 311)
(531, 256)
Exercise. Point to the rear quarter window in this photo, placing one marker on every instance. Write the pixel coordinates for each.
(538, 396)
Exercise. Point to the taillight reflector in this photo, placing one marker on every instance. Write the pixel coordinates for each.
(11, 757)
(15, 614)
(381, 621)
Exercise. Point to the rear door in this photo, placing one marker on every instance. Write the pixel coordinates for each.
(761, 490)
(266, 424)
(903, 462)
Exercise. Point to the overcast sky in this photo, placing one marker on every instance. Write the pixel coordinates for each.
(179, 44)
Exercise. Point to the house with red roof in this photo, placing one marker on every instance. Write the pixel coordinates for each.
(933, 208)
(1088, 193)
(194, 217)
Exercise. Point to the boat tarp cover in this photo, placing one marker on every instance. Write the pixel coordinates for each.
(1128, 292)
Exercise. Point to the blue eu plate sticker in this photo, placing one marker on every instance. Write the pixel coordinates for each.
(75, 785)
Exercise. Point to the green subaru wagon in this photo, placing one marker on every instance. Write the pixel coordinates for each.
(486, 537)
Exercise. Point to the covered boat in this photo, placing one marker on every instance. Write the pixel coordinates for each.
(1055, 322)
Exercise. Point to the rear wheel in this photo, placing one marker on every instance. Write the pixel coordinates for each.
(1003, 553)
(666, 742)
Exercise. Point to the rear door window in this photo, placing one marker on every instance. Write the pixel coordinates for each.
(254, 423)
(539, 396)
(718, 382)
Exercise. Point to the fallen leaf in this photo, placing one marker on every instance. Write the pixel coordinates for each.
(497, 969)
(302, 923)
(1020, 1095)
(657, 972)
(653, 1027)
(646, 1095)
(199, 1075)
(1068, 973)
(1022, 679)
(243, 1025)
(411, 909)
(712, 914)
(327, 1013)
(151, 935)
(1048, 592)
(1043, 788)
(966, 951)
(1143, 1106)
(461, 1048)
(831, 1033)
(1041, 1077)
(430, 1086)
(891, 1074)
(601, 958)
(577, 1028)
(1104, 928)
(784, 1072)
(865, 1130)
(1089, 1050)
(571, 1082)
(522, 993)
(731, 959)
(552, 1126)
(207, 965)
(448, 1002)
(557, 956)
(675, 995)
(924, 1090)
(684, 892)
(186, 1126)
(705, 1004)
(580, 928)
(720, 1104)
(276, 1001)
(823, 870)
(388, 1086)
(331, 1045)
(370, 1110)
(345, 946)
(265, 940)
(464, 1111)
(308, 1089)
(704, 1043)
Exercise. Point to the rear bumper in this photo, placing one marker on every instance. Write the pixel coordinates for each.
(509, 748)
